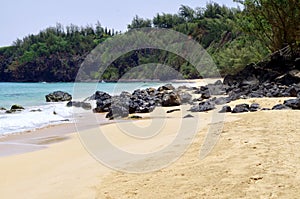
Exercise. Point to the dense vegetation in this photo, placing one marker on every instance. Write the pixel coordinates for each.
(233, 37)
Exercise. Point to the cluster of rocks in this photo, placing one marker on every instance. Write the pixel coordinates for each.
(278, 77)
(60, 96)
(140, 101)
(293, 104)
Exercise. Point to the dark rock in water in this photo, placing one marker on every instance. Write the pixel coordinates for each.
(185, 97)
(58, 96)
(73, 103)
(84, 105)
(36, 110)
(241, 108)
(136, 117)
(166, 87)
(173, 110)
(293, 103)
(225, 109)
(188, 116)
(280, 107)
(16, 107)
(222, 100)
(254, 107)
(2, 109)
(170, 99)
(203, 106)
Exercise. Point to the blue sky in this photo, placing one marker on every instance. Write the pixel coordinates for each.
(21, 18)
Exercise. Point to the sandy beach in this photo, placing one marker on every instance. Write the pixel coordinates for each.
(256, 157)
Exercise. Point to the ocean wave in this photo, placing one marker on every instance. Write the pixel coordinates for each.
(35, 117)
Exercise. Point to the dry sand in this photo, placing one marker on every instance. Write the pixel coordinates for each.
(257, 156)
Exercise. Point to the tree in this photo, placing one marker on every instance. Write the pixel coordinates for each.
(187, 13)
(138, 22)
(274, 22)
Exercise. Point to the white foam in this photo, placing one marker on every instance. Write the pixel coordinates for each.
(54, 113)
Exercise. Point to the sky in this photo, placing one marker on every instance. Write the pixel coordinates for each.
(21, 18)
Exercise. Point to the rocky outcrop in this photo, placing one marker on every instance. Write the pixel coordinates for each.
(58, 96)
(279, 77)
(140, 101)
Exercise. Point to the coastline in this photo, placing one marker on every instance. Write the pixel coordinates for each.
(57, 157)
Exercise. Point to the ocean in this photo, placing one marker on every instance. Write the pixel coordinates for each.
(38, 113)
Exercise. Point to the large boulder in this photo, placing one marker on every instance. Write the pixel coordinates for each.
(58, 96)
(16, 107)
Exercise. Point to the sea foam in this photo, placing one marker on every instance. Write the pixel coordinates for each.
(35, 117)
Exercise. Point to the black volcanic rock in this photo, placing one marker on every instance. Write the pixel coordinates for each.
(241, 108)
(58, 96)
(280, 107)
(16, 107)
(225, 109)
(203, 106)
(293, 103)
(254, 107)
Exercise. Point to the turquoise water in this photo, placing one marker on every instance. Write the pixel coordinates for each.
(33, 94)
(32, 97)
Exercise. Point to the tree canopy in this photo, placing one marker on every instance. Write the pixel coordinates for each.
(234, 37)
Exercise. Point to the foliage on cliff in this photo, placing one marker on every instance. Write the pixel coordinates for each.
(234, 37)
